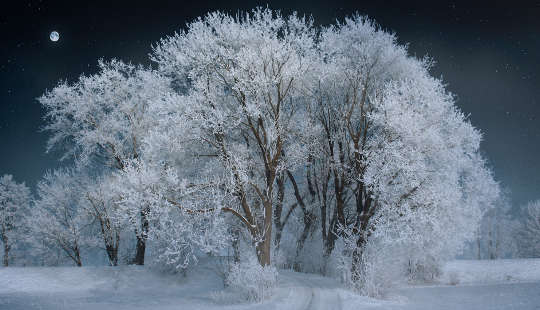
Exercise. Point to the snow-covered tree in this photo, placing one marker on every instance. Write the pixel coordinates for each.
(185, 221)
(404, 163)
(246, 97)
(497, 232)
(529, 232)
(429, 184)
(101, 119)
(14, 202)
(357, 60)
(56, 220)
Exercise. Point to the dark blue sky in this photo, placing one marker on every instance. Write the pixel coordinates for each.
(487, 53)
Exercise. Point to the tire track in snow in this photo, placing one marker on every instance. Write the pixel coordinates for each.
(316, 295)
(324, 299)
(310, 304)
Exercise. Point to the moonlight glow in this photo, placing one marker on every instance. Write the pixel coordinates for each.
(54, 36)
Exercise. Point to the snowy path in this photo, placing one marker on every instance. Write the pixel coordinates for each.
(313, 291)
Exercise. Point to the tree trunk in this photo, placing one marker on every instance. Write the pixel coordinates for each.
(78, 260)
(356, 267)
(141, 239)
(363, 233)
(236, 245)
(491, 250)
(338, 217)
(263, 252)
(5, 260)
(112, 253)
(479, 256)
(279, 209)
(308, 217)
(141, 249)
(308, 221)
(111, 237)
(264, 246)
(330, 241)
(277, 240)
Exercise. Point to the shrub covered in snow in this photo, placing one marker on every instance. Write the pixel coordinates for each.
(381, 265)
(253, 281)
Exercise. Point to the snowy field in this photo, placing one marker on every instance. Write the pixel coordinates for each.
(503, 284)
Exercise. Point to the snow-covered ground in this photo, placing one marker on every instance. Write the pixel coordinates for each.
(503, 284)
(491, 271)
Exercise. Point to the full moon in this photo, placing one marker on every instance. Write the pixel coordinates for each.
(54, 36)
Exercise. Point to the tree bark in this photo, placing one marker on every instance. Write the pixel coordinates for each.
(356, 267)
(308, 224)
(279, 209)
(140, 251)
(263, 251)
(363, 234)
(78, 260)
(308, 219)
(236, 245)
(337, 220)
(329, 241)
(490, 245)
(111, 237)
(5, 260)
(141, 238)
(479, 256)
(340, 191)
(112, 253)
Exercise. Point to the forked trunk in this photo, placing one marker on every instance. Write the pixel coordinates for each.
(112, 253)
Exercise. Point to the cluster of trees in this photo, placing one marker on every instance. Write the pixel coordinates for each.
(529, 234)
(14, 197)
(263, 131)
(497, 234)
(507, 232)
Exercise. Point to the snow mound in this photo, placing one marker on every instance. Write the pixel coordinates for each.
(499, 271)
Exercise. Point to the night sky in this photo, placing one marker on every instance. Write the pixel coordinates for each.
(488, 54)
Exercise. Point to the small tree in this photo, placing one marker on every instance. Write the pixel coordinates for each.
(56, 220)
(185, 221)
(101, 120)
(529, 234)
(14, 200)
(497, 232)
